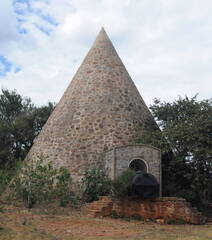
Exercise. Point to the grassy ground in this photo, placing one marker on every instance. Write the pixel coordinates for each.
(63, 224)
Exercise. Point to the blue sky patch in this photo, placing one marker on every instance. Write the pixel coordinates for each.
(28, 9)
(48, 19)
(23, 8)
(20, 28)
(7, 66)
(43, 29)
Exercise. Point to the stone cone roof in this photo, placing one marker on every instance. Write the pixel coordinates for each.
(100, 109)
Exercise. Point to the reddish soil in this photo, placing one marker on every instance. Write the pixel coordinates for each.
(57, 224)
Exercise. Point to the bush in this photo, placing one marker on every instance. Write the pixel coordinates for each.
(95, 183)
(122, 185)
(63, 188)
(7, 173)
(40, 183)
(5, 177)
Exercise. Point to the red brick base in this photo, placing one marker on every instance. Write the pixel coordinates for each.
(162, 209)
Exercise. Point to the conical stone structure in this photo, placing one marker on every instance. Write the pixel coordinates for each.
(101, 109)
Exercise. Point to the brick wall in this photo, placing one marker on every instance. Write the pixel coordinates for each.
(165, 208)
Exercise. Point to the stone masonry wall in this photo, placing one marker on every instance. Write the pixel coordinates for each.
(101, 109)
(166, 209)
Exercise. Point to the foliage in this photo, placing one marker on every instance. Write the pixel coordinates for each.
(20, 123)
(63, 188)
(121, 186)
(5, 178)
(185, 137)
(95, 183)
(41, 183)
(6, 175)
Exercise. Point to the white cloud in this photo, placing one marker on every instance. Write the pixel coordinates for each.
(8, 31)
(20, 6)
(165, 45)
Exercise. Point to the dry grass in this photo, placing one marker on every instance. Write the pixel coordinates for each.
(20, 224)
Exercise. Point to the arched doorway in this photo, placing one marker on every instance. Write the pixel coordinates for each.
(138, 165)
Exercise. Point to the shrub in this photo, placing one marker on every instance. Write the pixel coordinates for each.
(95, 183)
(7, 173)
(63, 187)
(1, 209)
(121, 186)
(5, 177)
(40, 183)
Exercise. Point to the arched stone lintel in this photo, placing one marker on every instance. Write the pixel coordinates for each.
(139, 158)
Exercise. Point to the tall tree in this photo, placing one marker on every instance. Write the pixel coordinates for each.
(20, 122)
(185, 137)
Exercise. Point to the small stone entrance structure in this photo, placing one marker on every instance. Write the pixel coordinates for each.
(121, 158)
(137, 157)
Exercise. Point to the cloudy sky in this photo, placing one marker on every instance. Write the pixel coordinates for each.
(166, 45)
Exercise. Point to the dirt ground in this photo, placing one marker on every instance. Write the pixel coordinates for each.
(18, 223)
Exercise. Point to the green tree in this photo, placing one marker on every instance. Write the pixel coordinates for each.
(20, 122)
(185, 138)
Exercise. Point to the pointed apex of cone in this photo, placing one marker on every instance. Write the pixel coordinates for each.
(102, 32)
(102, 39)
(102, 29)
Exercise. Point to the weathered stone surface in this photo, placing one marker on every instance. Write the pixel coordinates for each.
(101, 109)
(165, 209)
